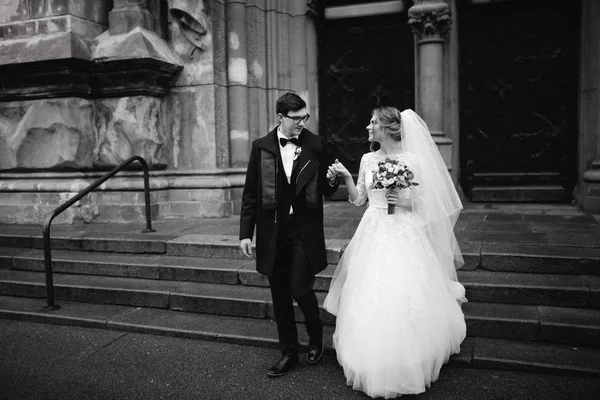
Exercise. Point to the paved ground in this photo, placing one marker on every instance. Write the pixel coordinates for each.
(59, 362)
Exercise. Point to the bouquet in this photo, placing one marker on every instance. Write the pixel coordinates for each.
(391, 175)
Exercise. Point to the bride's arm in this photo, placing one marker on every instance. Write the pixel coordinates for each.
(352, 189)
(341, 171)
(357, 194)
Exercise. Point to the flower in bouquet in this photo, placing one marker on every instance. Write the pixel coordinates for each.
(390, 174)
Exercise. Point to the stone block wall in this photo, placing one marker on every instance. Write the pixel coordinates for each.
(85, 84)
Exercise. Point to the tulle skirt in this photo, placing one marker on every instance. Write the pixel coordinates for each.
(398, 317)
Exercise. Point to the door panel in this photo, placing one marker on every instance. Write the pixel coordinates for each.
(518, 99)
(365, 62)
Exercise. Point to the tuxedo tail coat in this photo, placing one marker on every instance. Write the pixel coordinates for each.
(265, 204)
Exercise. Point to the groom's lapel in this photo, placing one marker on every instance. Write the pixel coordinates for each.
(269, 160)
(272, 145)
(303, 156)
(306, 165)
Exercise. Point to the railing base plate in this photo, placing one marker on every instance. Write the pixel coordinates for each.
(51, 308)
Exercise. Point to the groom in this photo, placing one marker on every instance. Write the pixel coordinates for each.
(286, 180)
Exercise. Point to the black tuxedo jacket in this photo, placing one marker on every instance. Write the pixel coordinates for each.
(263, 192)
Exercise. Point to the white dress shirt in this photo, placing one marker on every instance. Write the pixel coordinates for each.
(287, 157)
(287, 154)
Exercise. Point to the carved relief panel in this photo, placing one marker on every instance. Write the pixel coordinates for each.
(190, 30)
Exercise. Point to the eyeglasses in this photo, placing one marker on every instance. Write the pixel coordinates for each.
(298, 119)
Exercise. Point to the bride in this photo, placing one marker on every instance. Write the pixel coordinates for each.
(395, 292)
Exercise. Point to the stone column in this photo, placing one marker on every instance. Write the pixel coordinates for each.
(237, 80)
(588, 185)
(304, 52)
(315, 10)
(430, 20)
(298, 43)
(259, 113)
(274, 57)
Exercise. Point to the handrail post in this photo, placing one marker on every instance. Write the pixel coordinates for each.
(146, 195)
(50, 306)
(58, 210)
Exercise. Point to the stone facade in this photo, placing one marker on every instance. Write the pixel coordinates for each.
(182, 83)
(186, 84)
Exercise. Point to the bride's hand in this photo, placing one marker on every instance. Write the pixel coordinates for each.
(392, 196)
(340, 170)
(395, 197)
(399, 198)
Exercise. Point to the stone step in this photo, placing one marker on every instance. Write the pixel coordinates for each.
(148, 266)
(539, 259)
(191, 245)
(520, 194)
(497, 287)
(222, 246)
(250, 331)
(137, 242)
(476, 352)
(481, 285)
(531, 289)
(233, 300)
(517, 322)
(506, 257)
(563, 325)
(535, 357)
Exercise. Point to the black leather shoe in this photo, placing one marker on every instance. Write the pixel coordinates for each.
(282, 366)
(315, 352)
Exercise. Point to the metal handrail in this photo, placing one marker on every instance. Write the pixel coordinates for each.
(58, 210)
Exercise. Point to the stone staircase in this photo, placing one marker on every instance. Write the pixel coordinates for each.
(531, 308)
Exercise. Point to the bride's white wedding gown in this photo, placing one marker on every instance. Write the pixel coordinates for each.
(398, 316)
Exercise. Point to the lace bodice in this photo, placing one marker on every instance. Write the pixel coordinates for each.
(368, 164)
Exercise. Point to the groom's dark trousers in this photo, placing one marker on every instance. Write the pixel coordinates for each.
(292, 278)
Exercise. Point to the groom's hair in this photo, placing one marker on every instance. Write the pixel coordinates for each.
(289, 102)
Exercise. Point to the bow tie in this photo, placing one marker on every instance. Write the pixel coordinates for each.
(285, 141)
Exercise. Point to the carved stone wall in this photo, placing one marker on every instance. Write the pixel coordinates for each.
(77, 95)
(84, 84)
(75, 134)
(127, 126)
(47, 134)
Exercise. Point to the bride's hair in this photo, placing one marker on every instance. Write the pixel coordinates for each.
(390, 120)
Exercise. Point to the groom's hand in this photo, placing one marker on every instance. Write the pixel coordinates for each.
(246, 246)
(331, 174)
